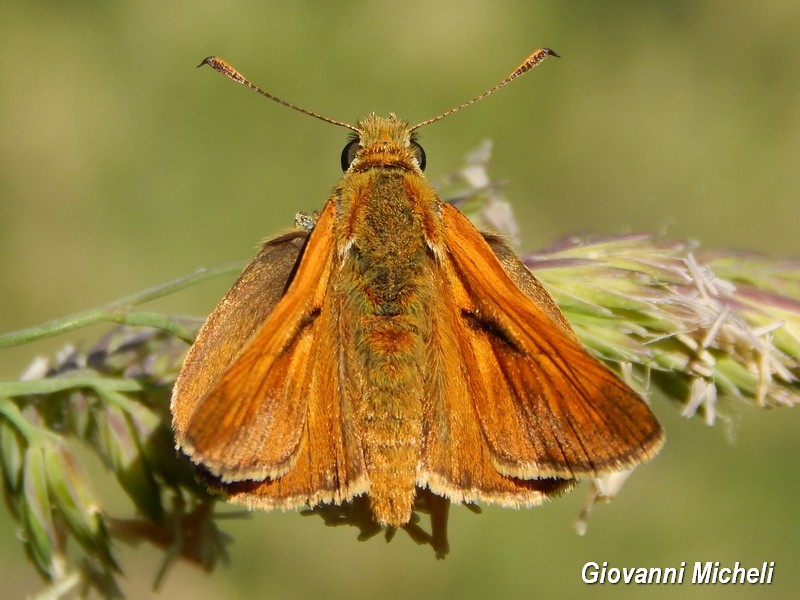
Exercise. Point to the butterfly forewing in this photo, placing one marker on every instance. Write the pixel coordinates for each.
(456, 460)
(328, 464)
(546, 407)
(249, 422)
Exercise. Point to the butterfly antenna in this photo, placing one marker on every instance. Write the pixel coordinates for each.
(528, 64)
(220, 66)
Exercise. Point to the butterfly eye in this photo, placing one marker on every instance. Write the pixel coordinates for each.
(419, 153)
(349, 153)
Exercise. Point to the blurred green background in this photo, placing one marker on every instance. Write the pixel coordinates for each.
(123, 166)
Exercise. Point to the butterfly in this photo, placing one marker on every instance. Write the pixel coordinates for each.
(390, 347)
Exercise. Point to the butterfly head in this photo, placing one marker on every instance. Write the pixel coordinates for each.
(381, 142)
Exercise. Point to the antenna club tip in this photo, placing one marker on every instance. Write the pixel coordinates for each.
(223, 68)
(533, 60)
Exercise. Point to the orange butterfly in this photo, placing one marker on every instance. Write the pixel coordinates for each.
(394, 348)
